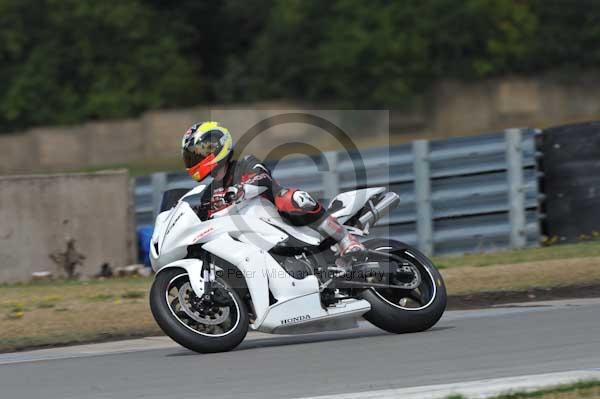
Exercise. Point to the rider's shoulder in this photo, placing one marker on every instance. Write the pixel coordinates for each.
(249, 162)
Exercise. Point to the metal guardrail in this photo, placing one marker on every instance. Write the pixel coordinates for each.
(458, 195)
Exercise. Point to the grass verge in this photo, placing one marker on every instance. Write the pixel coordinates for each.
(567, 251)
(66, 312)
(522, 276)
(579, 390)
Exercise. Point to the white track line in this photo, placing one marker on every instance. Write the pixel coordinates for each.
(105, 348)
(475, 389)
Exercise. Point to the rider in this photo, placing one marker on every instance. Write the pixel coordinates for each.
(208, 150)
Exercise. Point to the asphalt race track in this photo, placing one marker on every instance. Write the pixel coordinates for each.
(464, 346)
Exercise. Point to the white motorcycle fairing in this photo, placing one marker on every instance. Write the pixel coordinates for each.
(242, 235)
(352, 202)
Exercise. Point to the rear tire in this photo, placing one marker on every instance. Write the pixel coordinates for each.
(170, 320)
(395, 318)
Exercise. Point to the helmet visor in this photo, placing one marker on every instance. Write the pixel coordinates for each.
(210, 143)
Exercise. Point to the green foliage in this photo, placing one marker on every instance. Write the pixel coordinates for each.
(382, 52)
(63, 61)
(66, 61)
(568, 34)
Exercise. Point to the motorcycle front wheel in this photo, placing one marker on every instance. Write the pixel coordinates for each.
(218, 325)
(402, 310)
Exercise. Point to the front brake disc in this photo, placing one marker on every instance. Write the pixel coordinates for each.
(218, 317)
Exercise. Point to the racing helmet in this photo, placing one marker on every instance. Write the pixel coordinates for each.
(205, 146)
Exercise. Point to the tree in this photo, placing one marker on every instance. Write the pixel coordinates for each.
(64, 61)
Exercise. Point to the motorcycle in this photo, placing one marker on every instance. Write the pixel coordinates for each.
(245, 267)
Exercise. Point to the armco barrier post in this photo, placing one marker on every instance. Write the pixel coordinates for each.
(516, 193)
(159, 184)
(331, 183)
(423, 196)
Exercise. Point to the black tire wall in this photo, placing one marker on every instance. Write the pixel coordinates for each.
(571, 182)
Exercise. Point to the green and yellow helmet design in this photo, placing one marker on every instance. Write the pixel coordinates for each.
(205, 146)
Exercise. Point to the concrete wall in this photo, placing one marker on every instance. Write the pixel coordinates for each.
(39, 213)
(451, 108)
(460, 108)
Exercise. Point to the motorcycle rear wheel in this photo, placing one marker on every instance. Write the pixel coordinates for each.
(406, 311)
(219, 329)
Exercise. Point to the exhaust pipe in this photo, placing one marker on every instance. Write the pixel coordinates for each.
(376, 210)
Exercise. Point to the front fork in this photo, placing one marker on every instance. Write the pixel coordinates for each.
(208, 275)
(214, 292)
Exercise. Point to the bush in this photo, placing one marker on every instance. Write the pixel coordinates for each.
(66, 61)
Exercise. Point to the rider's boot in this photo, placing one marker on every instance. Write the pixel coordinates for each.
(350, 249)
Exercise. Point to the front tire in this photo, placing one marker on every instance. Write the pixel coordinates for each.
(220, 330)
(403, 311)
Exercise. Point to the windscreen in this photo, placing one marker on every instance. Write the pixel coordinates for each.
(171, 197)
(199, 198)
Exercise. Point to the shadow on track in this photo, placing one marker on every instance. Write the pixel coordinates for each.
(284, 340)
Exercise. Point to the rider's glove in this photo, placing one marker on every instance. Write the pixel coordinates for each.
(233, 194)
